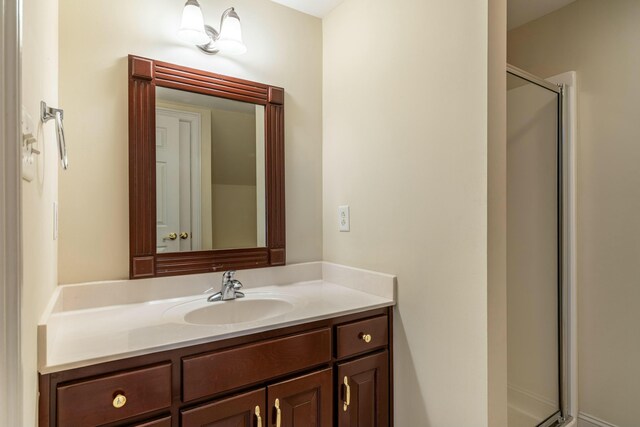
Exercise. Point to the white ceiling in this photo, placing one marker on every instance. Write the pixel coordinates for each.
(519, 12)
(319, 8)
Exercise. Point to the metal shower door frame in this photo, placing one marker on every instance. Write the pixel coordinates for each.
(561, 417)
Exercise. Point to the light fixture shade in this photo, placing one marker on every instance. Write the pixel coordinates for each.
(192, 26)
(230, 40)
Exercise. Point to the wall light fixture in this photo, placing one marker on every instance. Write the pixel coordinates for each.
(194, 30)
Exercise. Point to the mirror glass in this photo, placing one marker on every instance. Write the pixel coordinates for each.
(210, 172)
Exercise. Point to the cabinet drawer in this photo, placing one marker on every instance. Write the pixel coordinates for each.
(213, 373)
(360, 337)
(162, 422)
(93, 402)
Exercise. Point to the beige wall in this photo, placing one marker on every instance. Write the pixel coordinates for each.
(284, 49)
(234, 216)
(40, 255)
(405, 145)
(233, 147)
(234, 179)
(497, 214)
(599, 40)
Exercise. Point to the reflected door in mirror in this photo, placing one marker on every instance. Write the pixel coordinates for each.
(210, 173)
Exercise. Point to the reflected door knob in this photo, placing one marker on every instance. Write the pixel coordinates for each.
(171, 236)
(184, 235)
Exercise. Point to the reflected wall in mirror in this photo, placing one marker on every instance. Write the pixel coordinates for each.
(206, 171)
(210, 172)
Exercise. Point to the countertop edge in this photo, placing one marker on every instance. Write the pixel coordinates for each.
(45, 370)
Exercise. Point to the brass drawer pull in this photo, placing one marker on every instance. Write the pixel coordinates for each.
(347, 398)
(366, 337)
(119, 401)
(184, 235)
(258, 417)
(278, 413)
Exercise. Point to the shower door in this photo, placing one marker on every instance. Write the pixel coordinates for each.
(534, 250)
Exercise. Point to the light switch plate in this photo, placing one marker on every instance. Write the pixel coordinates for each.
(344, 222)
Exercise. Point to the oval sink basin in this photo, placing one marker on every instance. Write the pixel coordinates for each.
(238, 311)
(251, 308)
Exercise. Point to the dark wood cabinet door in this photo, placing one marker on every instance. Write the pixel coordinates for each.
(305, 401)
(163, 422)
(364, 392)
(245, 410)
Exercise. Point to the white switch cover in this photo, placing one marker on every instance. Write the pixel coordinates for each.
(344, 222)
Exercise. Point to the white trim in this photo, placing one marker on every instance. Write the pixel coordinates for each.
(586, 420)
(533, 396)
(531, 404)
(10, 210)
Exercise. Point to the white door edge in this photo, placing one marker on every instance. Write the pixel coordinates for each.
(10, 215)
(196, 143)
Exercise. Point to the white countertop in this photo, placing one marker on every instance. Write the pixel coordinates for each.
(76, 336)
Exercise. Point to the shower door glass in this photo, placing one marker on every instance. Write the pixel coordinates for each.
(533, 253)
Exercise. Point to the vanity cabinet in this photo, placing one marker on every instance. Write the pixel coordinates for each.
(333, 372)
(303, 401)
(364, 388)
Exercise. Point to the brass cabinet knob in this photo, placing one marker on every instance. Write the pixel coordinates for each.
(184, 235)
(366, 338)
(119, 401)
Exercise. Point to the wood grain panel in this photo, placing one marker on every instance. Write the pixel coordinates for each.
(169, 264)
(237, 411)
(276, 95)
(90, 403)
(275, 178)
(305, 401)
(143, 266)
(142, 171)
(368, 379)
(141, 68)
(221, 371)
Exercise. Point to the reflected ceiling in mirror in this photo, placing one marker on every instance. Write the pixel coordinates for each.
(210, 172)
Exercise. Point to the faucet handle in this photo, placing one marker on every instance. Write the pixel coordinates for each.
(228, 275)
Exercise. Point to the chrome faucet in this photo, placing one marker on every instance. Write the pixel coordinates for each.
(230, 288)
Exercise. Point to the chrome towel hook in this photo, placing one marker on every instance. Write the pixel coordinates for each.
(48, 113)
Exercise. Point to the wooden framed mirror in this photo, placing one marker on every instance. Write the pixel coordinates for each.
(179, 167)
